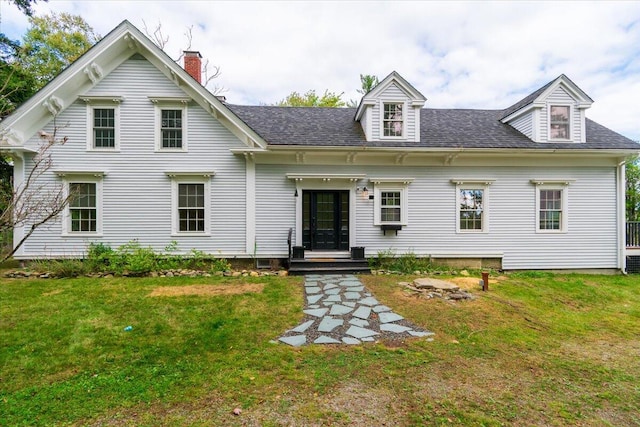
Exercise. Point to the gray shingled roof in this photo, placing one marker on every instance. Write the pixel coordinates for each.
(440, 128)
(532, 97)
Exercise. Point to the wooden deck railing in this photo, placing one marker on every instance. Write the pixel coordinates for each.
(633, 234)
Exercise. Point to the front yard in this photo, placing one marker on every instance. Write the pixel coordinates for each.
(538, 349)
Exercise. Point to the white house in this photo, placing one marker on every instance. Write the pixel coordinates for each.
(158, 158)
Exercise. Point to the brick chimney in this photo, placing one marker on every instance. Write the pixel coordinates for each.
(193, 64)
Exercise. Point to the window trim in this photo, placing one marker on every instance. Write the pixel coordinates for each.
(399, 186)
(166, 104)
(83, 178)
(404, 119)
(190, 178)
(570, 122)
(470, 185)
(553, 185)
(94, 103)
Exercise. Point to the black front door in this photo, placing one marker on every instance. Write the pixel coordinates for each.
(325, 220)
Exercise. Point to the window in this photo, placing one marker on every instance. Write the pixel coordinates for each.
(171, 128)
(550, 215)
(390, 200)
(470, 209)
(392, 120)
(551, 205)
(191, 207)
(390, 208)
(190, 203)
(104, 128)
(83, 211)
(171, 114)
(559, 125)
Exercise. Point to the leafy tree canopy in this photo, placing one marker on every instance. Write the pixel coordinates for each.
(16, 84)
(53, 42)
(311, 99)
(633, 189)
(368, 82)
(25, 5)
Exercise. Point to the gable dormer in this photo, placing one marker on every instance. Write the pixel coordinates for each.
(391, 111)
(554, 113)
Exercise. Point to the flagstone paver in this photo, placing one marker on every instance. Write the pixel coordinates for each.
(340, 310)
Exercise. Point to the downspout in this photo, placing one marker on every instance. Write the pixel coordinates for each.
(622, 240)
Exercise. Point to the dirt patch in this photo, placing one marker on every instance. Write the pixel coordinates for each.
(207, 290)
(473, 283)
(55, 292)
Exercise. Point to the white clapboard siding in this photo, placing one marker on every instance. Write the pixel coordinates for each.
(390, 94)
(524, 124)
(589, 242)
(136, 189)
(562, 97)
(275, 208)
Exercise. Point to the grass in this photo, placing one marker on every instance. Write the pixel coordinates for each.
(535, 350)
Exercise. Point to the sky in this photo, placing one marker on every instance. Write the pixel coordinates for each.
(483, 55)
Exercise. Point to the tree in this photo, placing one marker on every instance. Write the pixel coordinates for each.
(52, 43)
(632, 168)
(311, 99)
(367, 82)
(16, 84)
(209, 71)
(25, 5)
(33, 202)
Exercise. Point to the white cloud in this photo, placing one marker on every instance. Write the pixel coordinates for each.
(458, 54)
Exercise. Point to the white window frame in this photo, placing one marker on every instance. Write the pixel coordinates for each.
(100, 102)
(196, 178)
(400, 185)
(485, 206)
(82, 178)
(571, 130)
(561, 186)
(170, 104)
(404, 118)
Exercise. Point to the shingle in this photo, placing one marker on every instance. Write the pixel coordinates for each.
(440, 128)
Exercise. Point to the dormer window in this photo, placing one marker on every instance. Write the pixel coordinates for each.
(393, 120)
(559, 126)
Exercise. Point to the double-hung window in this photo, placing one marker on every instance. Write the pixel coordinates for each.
(551, 206)
(559, 123)
(472, 207)
(171, 123)
(392, 119)
(83, 207)
(190, 203)
(191, 212)
(391, 201)
(171, 128)
(550, 209)
(104, 128)
(83, 211)
(390, 206)
(103, 122)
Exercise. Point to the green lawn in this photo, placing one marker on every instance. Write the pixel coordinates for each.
(538, 349)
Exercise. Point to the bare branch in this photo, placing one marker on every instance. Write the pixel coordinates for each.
(209, 72)
(35, 201)
(156, 36)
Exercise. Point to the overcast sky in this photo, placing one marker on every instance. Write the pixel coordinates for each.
(458, 54)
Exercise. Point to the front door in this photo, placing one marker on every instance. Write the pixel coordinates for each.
(325, 220)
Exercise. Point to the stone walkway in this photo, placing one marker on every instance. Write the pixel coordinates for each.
(340, 310)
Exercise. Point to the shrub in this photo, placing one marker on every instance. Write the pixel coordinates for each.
(135, 259)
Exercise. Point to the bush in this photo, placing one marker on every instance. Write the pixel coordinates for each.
(131, 259)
